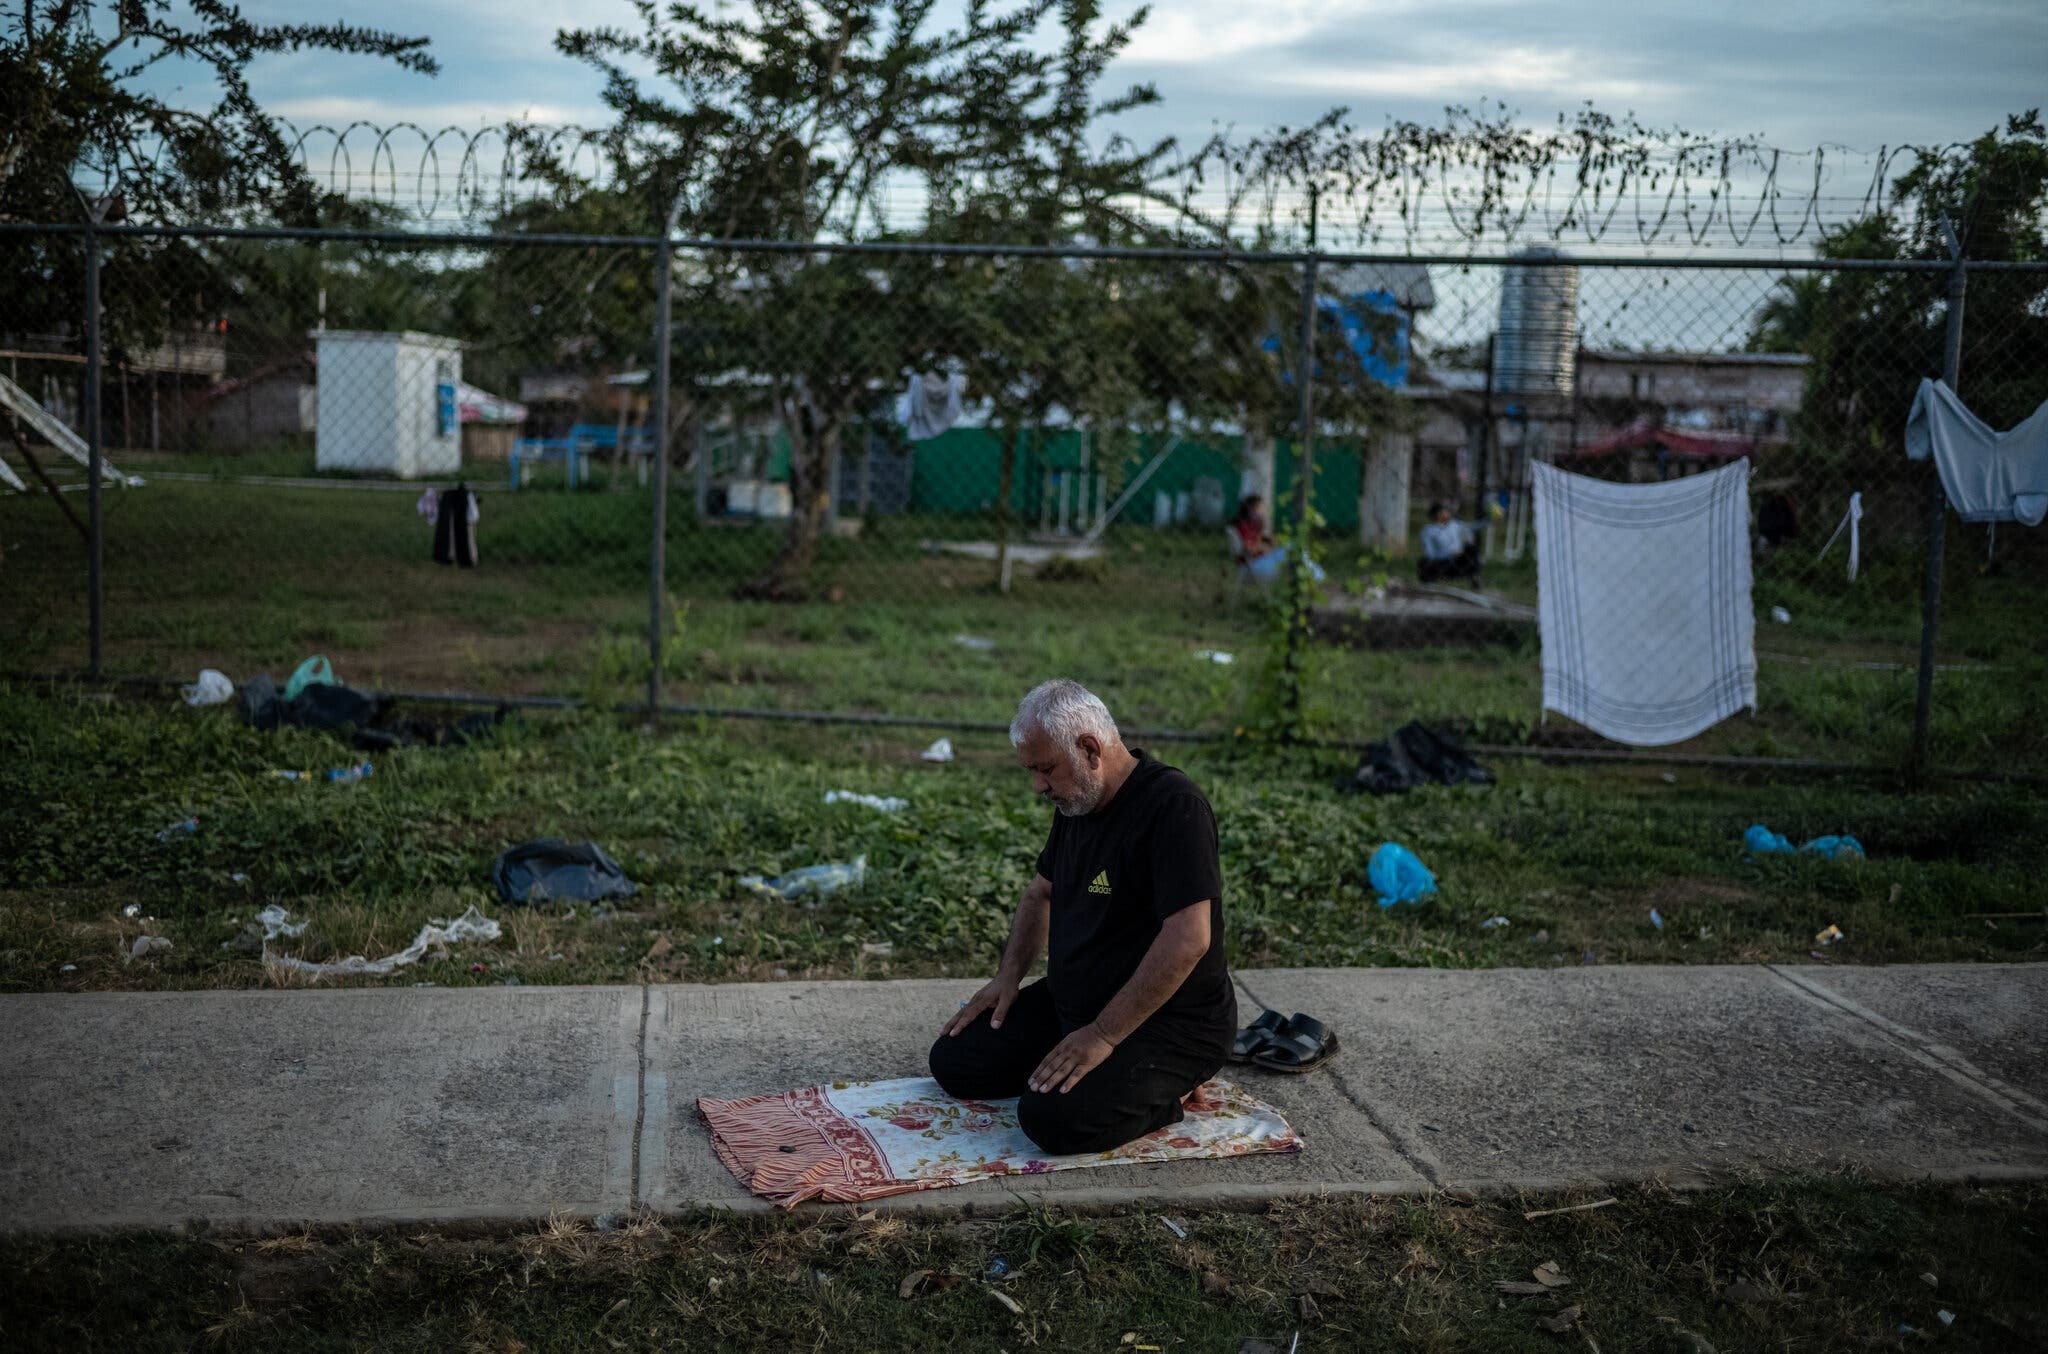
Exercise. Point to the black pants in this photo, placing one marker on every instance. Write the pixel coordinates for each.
(1133, 1091)
(1465, 564)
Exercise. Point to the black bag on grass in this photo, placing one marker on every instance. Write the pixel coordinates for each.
(549, 869)
(1415, 755)
(323, 705)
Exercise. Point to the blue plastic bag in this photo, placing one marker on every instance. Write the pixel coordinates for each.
(1761, 841)
(315, 671)
(1398, 876)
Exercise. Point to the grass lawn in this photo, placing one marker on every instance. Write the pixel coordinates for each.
(1575, 859)
(1821, 1263)
(247, 577)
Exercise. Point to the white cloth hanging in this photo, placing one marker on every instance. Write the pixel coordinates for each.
(429, 506)
(931, 405)
(1643, 602)
(1852, 520)
(1989, 476)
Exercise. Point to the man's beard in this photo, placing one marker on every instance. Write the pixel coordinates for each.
(1087, 795)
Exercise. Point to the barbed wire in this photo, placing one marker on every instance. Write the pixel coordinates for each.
(1732, 195)
(450, 170)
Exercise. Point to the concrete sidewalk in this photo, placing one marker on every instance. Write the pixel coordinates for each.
(268, 1109)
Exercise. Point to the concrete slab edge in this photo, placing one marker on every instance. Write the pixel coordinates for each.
(953, 1203)
(1923, 1050)
(1424, 1165)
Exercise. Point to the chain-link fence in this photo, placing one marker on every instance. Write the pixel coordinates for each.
(909, 480)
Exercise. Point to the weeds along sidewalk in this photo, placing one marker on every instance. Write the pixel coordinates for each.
(1574, 860)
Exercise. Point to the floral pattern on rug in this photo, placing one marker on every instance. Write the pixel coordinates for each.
(867, 1139)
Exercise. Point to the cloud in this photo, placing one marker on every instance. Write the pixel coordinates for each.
(338, 111)
(1202, 32)
(1558, 73)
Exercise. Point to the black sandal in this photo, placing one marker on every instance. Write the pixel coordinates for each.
(1302, 1044)
(1253, 1037)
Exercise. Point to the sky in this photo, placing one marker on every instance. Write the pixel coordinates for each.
(1798, 73)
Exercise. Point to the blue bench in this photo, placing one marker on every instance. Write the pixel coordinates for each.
(576, 448)
(528, 450)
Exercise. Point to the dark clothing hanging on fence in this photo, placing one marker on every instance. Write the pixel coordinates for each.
(455, 528)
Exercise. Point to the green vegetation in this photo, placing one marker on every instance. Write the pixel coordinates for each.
(1828, 1263)
(1574, 858)
(246, 577)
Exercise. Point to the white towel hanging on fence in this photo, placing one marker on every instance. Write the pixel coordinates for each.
(1643, 602)
(931, 405)
(1853, 520)
(1989, 476)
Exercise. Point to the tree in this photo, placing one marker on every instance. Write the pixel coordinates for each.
(76, 116)
(1873, 336)
(798, 122)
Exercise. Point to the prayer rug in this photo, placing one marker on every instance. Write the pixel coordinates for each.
(855, 1140)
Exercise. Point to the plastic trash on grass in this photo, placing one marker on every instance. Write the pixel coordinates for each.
(1397, 876)
(212, 688)
(1761, 841)
(315, 671)
(1215, 656)
(276, 922)
(339, 775)
(974, 642)
(549, 868)
(941, 751)
(812, 881)
(471, 925)
(891, 804)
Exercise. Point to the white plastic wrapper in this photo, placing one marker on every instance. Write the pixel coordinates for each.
(471, 925)
(212, 688)
(891, 804)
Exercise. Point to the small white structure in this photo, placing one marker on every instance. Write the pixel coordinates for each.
(388, 403)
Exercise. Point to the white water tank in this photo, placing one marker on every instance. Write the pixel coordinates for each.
(388, 403)
(1535, 351)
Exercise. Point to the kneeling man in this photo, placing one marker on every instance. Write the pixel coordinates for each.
(1135, 1009)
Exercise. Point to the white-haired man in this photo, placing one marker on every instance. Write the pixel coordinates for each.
(1135, 1009)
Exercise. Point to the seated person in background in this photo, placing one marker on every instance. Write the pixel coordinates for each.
(1450, 549)
(1777, 521)
(1253, 538)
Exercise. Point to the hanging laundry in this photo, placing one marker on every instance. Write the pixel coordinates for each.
(1643, 602)
(429, 505)
(931, 405)
(455, 527)
(1851, 520)
(1989, 476)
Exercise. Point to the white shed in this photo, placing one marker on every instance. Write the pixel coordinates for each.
(388, 403)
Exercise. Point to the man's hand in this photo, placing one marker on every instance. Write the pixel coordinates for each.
(1073, 1058)
(997, 993)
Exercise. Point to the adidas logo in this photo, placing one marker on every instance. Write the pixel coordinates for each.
(1099, 884)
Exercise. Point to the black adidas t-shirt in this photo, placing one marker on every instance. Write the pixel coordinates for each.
(1117, 874)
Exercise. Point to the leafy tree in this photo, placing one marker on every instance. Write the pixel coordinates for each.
(799, 123)
(1874, 335)
(77, 116)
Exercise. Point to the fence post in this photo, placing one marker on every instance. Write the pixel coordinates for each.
(1304, 451)
(657, 583)
(95, 531)
(1937, 510)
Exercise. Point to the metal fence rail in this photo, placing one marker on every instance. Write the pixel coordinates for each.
(892, 481)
